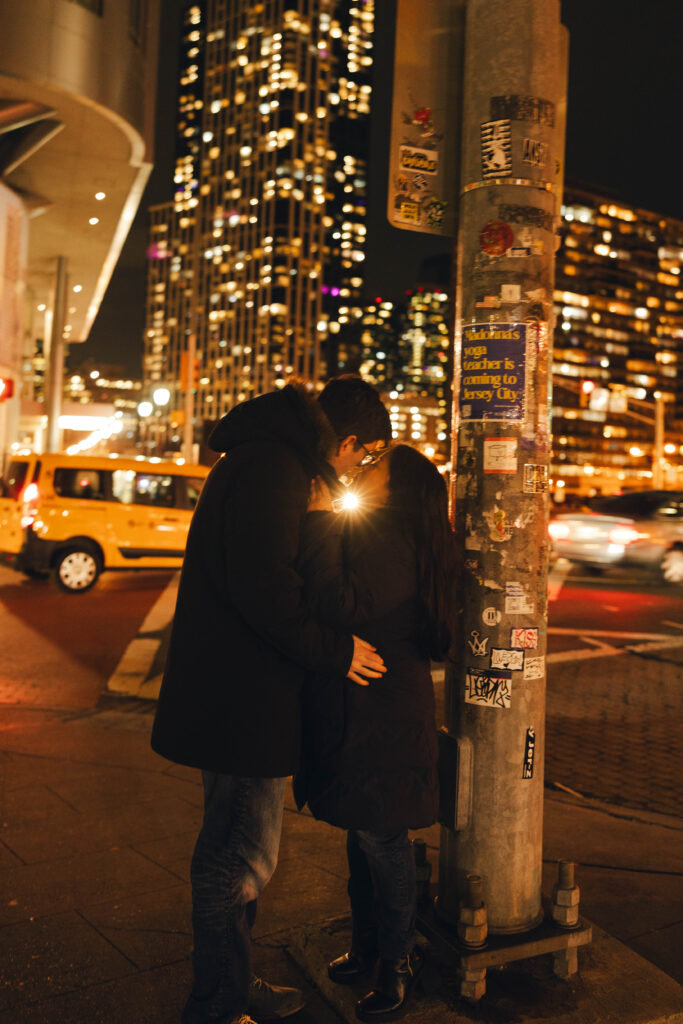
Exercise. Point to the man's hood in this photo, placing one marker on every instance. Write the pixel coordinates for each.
(290, 416)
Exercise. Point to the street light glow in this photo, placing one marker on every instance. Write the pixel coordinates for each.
(145, 409)
(161, 396)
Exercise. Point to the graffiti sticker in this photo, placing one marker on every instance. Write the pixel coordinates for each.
(488, 688)
(477, 644)
(534, 152)
(413, 159)
(525, 638)
(523, 108)
(512, 660)
(534, 668)
(496, 149)
(529, 752)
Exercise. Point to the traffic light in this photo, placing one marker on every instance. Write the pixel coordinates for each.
(6, 388)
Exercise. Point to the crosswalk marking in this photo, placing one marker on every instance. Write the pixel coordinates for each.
(130, 675)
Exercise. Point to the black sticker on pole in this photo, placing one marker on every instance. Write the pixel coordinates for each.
(529, 751)
(493, 372)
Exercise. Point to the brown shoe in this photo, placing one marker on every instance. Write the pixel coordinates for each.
(272, 1002)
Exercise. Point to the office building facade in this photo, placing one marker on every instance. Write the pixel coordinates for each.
(618, 346)
(260, 254)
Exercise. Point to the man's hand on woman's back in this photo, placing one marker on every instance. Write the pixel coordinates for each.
(366, 663)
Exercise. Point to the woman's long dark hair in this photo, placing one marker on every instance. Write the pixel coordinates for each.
(418, 492)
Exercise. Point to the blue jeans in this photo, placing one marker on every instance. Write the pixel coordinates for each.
(234, 858)
(382, 891)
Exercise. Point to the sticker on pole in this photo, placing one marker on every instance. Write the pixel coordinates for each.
(478, 645)
(493, 372)
(500, 454)
(496, 149)
(525, 638)
(489, 688)
(517, 600)
(534, 668)
(423, 151)
(529, 754)
(495, 238)
(535, 479)
(491, 616)
(512, 660)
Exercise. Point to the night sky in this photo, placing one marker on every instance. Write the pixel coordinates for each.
(625, 100)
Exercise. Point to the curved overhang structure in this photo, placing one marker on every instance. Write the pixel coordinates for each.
(77, 89)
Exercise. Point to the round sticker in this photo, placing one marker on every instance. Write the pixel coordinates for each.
(496, 237)
(491, 616)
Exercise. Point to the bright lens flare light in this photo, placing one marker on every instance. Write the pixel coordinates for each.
(350, 501)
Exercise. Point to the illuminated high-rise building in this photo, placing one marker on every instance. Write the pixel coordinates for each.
(618, 346)
(260, 254)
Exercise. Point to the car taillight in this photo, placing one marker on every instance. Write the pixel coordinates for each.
(558, 531)
(624, 535)
(30, 510)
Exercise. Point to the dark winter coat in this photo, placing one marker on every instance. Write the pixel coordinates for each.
(243, 636)
(370, 752)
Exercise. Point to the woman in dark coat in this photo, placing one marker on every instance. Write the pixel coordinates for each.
(370, 751)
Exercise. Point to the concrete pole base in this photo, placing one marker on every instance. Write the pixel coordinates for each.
(548, 937)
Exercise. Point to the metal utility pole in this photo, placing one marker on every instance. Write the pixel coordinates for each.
(493, 740)
(189, 384)
(658, 453)
(56, 363)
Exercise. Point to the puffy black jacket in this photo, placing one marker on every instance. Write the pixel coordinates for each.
(370, 753)
(242, 635)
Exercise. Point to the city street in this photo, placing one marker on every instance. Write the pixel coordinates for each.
(98, 831)
(62, 651)
(615, 669)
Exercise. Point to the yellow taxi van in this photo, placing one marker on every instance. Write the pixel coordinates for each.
(74, 516)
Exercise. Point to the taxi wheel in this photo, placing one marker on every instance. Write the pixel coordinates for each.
(76, 569)
(672, 566)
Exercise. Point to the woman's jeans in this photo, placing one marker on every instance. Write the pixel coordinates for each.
(382, 891)
(235, 856)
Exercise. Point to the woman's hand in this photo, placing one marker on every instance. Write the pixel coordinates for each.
(320, 499)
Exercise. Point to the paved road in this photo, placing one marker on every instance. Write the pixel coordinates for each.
(615, 669)
(59, 650)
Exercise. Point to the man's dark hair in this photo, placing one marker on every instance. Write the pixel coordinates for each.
(354, 407)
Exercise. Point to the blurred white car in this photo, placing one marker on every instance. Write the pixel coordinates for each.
(641, 529)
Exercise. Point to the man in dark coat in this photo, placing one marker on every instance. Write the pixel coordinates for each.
(242, 641)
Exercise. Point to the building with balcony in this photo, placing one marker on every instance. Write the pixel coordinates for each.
(258, 259)
(77, 92)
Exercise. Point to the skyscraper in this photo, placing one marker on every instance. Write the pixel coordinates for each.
(618, 346)
(260, 254)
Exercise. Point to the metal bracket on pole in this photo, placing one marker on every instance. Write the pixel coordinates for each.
(456, 761)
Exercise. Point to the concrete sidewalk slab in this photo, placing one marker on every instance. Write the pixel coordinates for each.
(95, 847)
(613, 985)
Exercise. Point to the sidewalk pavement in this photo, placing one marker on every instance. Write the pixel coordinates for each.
(97, 834)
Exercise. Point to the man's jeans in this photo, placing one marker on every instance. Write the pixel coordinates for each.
(234, 858)
(382, 891)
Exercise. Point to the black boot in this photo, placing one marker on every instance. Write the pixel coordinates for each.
(358, 962)
(395, 978)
